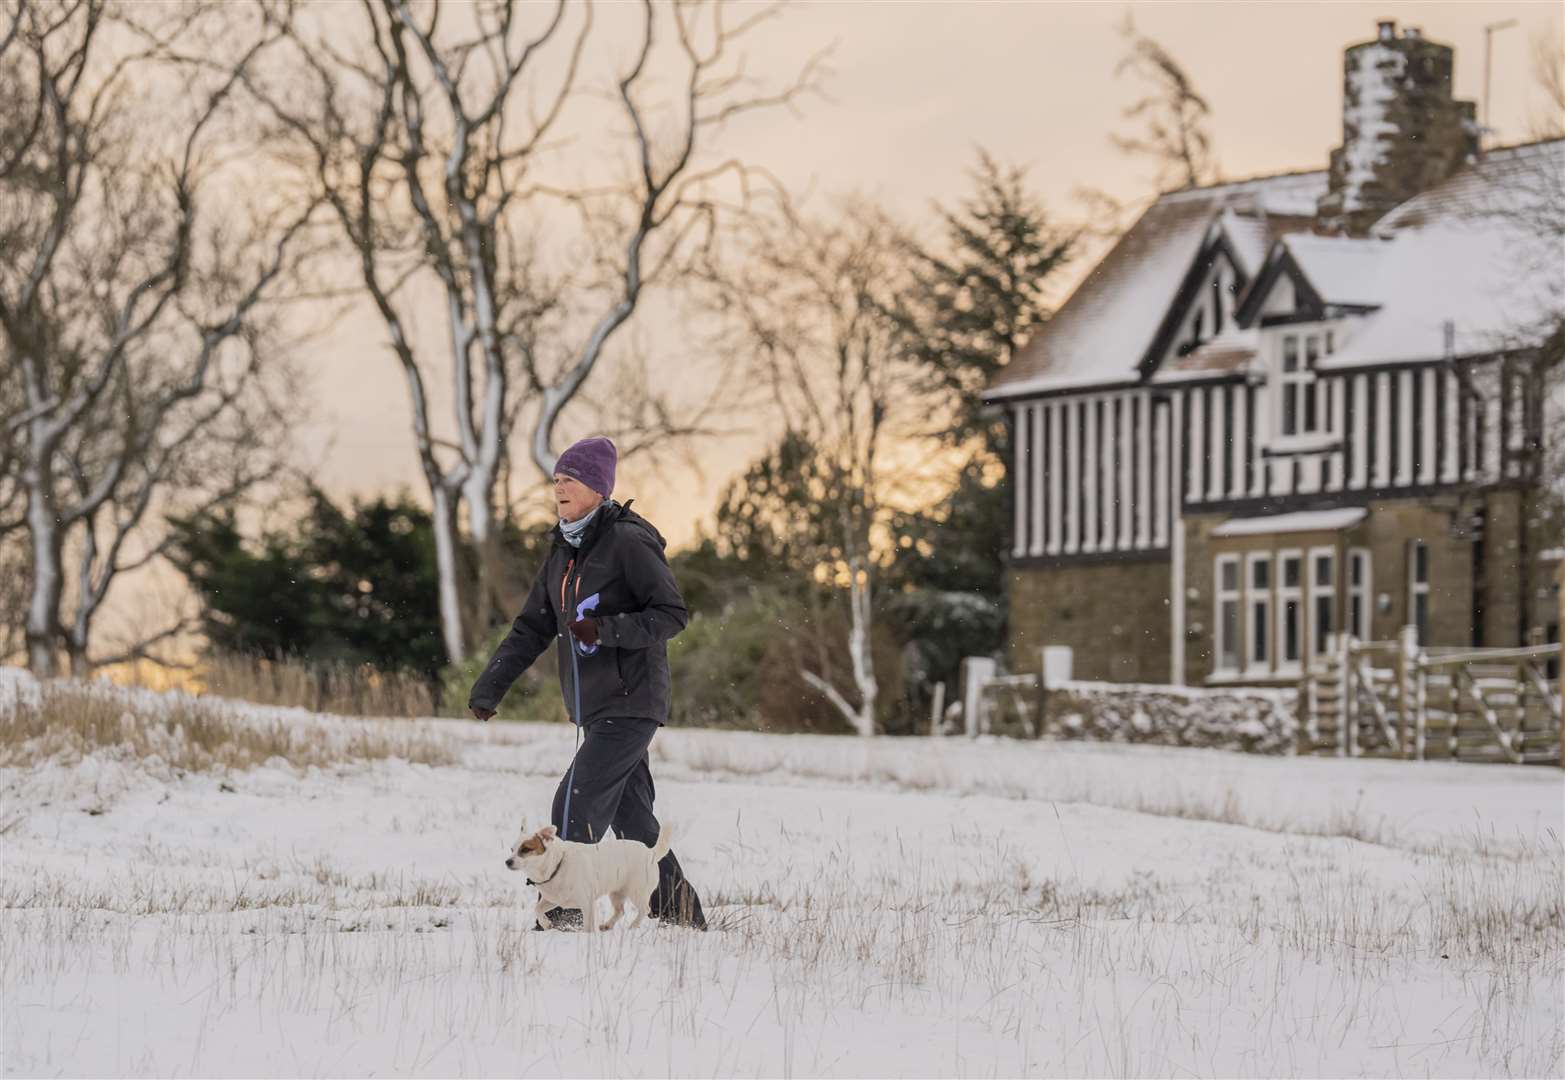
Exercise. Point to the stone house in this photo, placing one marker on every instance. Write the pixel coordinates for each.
(1289, 406)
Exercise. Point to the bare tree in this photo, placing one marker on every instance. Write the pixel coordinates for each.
(131, 311)
(1173, 115)
(429, 150)
(815, 303)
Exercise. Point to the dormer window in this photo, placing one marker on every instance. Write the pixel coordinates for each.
(1299, 404)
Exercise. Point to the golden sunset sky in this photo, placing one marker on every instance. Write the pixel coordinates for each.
(914, 88)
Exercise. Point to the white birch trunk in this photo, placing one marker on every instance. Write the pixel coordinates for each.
(445, 566)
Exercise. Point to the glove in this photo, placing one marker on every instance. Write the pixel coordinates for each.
(585, 630)
(480, 713)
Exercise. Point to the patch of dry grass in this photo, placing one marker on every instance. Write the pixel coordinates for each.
(340, 689)
(69, 721)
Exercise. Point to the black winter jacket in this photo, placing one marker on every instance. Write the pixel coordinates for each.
(619, 575)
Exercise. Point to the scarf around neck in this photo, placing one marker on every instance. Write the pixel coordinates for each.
(574, 531)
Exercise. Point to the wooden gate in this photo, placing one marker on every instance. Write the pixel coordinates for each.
(1394, 699)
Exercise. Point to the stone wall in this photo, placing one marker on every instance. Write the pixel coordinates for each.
(1238, 718)
(1113, 614)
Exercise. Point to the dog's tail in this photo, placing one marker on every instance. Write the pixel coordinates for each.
(665, 839)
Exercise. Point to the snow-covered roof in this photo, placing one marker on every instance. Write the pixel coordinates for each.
(1341, 270)
(1231, 350)
(1101, 333)
(1248, 234)
(1304, 521)
(1474, 253)
(1477, 251)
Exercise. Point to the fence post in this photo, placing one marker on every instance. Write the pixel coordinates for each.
(976, 672)
(1421, 699)
(1348, 712)
(1054, 667)
(937, 708)
(1407, 704)
(1560, 732)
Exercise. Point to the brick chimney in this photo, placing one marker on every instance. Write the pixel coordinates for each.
(1402, 131)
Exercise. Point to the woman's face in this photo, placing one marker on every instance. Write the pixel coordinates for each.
(574, 499)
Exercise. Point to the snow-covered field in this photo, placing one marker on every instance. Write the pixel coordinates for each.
(908, 907)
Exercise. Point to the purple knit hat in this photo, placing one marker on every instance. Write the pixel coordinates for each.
(592, 462)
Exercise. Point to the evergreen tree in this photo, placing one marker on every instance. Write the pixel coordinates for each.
(975, 308)
(356, 587)
(975, 305)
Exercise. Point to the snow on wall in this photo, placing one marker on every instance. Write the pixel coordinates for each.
(1253, 720)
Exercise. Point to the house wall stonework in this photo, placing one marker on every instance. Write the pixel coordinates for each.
(1388, 532)
(1114, 615)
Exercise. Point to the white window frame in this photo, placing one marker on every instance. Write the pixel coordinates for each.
(1416, 589)
(1363, 592)
(1263, 622)
(1313, 345)
(1221, 596)
(1285, 593)
(1301, 379)
(1314, 593)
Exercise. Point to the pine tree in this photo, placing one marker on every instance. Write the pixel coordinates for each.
(976, 306)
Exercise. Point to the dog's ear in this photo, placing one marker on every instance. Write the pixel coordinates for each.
(549, 832)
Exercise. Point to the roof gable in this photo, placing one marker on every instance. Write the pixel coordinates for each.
(1105, 331)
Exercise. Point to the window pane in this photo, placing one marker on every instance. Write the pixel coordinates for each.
(1258, 621)
(1290, 572)
(1356, 568)
(1261, 574)
(1310, 396)
(1356, 615)
(1228, 575)
(1228, 630)
(1421, 563)
(1312, 349)
(1290, 408)
(1322, 622)
(1323, 571)
(1290, 353)
(1421, 617)
(1290, 630)
(1330, 342)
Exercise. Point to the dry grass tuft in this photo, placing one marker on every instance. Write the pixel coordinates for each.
(70, 721)
(340, 689)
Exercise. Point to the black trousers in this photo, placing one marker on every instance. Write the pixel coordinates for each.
(614, 788)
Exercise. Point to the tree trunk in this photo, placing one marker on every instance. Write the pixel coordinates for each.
(859, 647)
(48, 579)
(477, 491)
(446, 567)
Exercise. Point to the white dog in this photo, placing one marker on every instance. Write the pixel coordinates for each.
(572, 875)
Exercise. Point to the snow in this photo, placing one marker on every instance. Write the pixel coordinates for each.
(1373, 71)
(1331, 520)
(1341, 270)
(888, 907)
(1477, 252)
(1248, 236)
(1099, 335)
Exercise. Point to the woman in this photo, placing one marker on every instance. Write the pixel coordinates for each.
(605, 590)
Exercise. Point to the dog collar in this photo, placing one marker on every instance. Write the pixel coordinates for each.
(551, 877)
